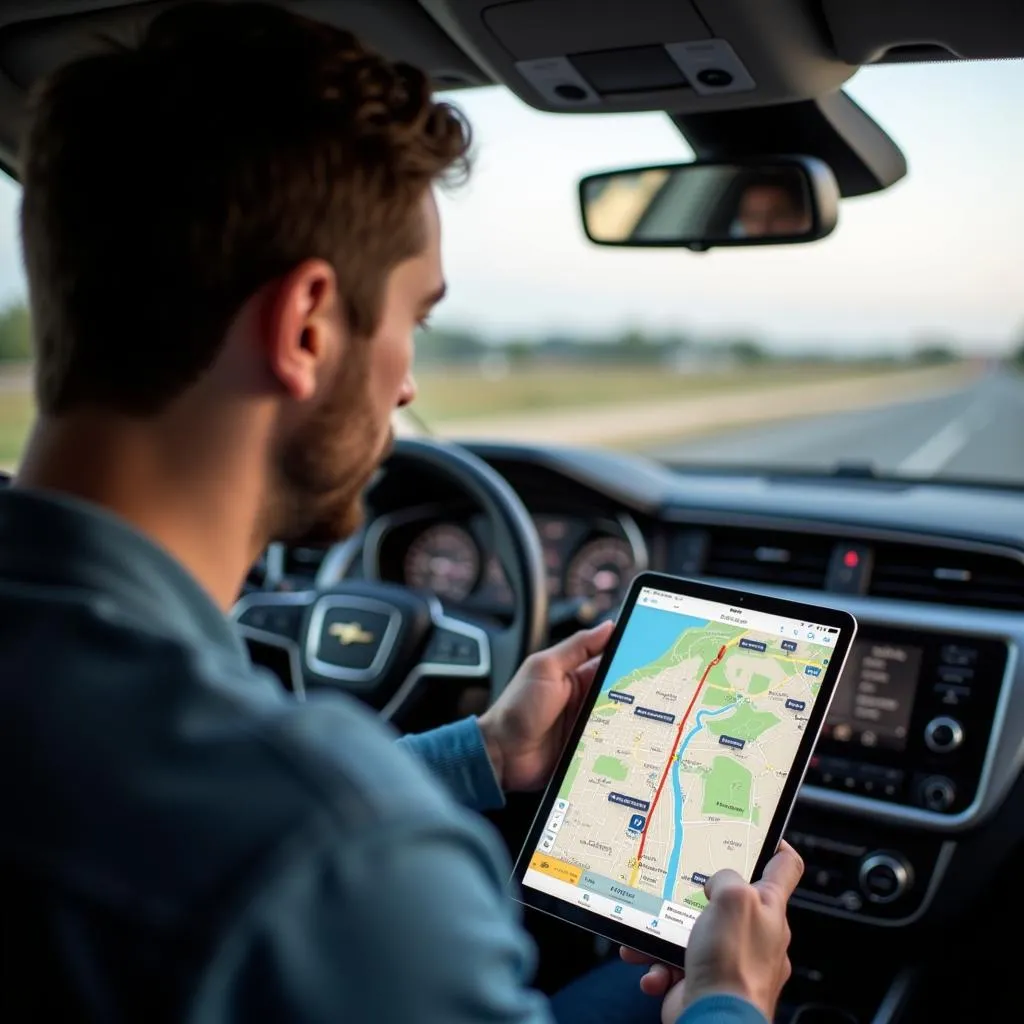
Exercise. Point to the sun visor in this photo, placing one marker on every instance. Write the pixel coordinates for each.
(37, 37)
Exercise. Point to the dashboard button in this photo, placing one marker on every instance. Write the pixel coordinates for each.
(955, 654)
(956, 676)
(449, 648)
(833, 770)
(829, 881)
(943, 735)
(882, 782)
(258, 617)
(467, 651)
(892, 783)
(938, 793)
(850, 901)
(884, 877)
(952, 695)
(284, 620)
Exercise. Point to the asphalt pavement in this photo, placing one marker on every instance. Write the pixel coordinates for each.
(973, 431)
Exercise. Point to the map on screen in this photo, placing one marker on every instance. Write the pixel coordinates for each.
(683, 759)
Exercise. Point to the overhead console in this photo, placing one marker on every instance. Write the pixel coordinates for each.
(629, 55)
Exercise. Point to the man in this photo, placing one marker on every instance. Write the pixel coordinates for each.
(230, 237)
(773, 205)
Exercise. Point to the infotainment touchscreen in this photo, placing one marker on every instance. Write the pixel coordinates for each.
(872, 705)
(686, 757)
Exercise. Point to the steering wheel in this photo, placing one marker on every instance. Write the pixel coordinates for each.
(382, 642)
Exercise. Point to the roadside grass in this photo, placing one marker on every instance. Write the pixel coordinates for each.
(16, 412)
(448, 395)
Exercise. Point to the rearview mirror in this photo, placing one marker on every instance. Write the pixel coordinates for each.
(767, 201)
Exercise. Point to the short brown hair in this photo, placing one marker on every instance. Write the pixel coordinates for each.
(167, 182)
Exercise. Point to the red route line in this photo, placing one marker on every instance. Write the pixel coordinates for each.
(675, 746)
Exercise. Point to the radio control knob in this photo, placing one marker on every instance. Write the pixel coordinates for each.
(938, 793)
(884, 877)
(943, 735)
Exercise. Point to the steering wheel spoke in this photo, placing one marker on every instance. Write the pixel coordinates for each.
(271, 624)
(455, 649)
(278, 613)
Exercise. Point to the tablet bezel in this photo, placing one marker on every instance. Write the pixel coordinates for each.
(662, 949)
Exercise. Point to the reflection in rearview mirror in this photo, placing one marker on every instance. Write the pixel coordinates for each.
(707, 204)
(772, 204)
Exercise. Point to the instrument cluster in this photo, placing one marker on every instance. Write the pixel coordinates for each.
(585, 560)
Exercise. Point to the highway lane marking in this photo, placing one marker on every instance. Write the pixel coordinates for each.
(942, 447)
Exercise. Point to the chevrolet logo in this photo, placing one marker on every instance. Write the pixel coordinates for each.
(350, 633)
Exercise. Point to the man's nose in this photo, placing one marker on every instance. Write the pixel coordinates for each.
(408, 392)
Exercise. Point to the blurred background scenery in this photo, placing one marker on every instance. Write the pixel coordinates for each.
(894, 343)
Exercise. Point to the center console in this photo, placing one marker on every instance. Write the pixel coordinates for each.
(900, 766)
(911, 721)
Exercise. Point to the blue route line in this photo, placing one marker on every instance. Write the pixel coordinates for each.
(677, 794)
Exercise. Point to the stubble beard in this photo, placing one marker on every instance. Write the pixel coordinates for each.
(323, 469)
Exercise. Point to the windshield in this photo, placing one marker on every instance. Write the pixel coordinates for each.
(888, 344)
(893, 343)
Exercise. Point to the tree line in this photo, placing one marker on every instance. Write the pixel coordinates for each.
(454, 346)
(15, 333)
(633, 347)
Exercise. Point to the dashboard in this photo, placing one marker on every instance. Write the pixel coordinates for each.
(914, 801)
(587, 560)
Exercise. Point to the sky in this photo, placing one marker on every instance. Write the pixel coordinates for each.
(939, 254)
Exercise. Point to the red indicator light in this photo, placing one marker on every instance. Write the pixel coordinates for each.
(851, 559)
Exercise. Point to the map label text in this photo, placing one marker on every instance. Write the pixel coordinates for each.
(629, 801)
(658, 716)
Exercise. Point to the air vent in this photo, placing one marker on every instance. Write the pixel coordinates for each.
(758, 556)
(947, 576)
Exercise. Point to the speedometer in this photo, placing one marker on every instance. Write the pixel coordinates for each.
(600, 572)
(444, 559)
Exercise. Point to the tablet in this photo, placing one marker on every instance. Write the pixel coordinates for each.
(686, 758)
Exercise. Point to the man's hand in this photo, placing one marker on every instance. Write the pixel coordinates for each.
(529, 723)
(739, 944)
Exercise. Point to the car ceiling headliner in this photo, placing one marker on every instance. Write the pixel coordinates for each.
(815, 47)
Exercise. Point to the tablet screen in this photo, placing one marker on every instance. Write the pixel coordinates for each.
(682, 761)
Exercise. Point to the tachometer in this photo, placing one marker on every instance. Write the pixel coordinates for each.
(444, 559)
(600, 571)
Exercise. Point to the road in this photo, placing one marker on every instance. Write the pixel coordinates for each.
(976, 430)
(638, 425)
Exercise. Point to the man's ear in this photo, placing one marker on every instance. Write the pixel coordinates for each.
(302, 328)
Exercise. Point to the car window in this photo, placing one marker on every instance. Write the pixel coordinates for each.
(16, 407)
